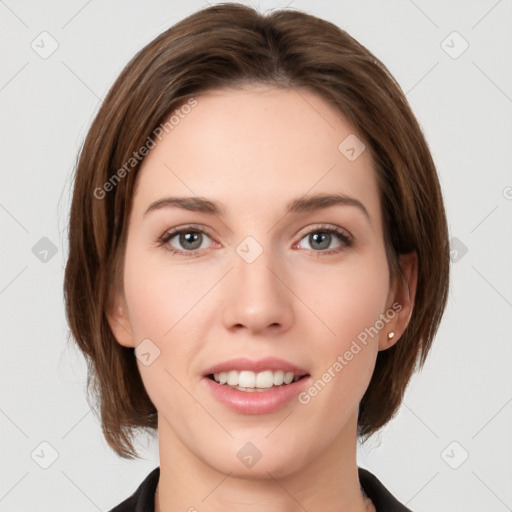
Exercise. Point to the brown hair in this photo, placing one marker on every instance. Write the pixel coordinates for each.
(225, 46)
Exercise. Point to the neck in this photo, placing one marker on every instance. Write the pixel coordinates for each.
(327, 482)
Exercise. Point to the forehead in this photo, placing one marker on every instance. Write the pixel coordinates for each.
(258, 147)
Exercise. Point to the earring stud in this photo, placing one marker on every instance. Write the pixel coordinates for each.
(391, 335)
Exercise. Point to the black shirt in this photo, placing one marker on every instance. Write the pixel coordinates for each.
(143, 499)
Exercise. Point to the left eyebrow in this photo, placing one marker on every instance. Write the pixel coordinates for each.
(320, 201)
(299, 205)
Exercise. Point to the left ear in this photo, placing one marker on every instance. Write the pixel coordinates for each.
(401, 300)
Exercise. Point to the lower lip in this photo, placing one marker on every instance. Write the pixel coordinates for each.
(255, 402)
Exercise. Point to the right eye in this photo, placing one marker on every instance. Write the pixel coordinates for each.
(191, 239)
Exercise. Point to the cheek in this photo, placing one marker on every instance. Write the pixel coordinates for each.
(164, 307)
(349, 299)
(350, 305)
(160, 299)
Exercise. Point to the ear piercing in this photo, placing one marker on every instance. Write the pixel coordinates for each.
(391, 335)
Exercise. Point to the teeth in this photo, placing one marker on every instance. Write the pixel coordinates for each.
(247, 379)
(278, 377)
(233, 378)
(261, 380)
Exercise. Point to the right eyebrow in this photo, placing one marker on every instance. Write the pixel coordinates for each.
(193, 204)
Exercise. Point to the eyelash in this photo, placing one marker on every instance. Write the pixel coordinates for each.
(342, 234)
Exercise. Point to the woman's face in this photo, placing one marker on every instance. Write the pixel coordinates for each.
(261, 285)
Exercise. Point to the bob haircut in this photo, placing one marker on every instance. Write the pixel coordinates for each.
(227, 46)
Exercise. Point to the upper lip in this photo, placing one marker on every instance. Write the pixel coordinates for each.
(268, 363)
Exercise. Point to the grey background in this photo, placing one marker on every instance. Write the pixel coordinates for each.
(459, 406)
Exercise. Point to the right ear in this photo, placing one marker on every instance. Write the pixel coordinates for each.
(119, 321)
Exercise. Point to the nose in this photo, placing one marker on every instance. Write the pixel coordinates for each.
(258, 296)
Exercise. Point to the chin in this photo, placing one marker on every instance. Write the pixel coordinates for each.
(255, 460)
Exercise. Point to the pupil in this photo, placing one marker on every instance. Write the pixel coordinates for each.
(325, 237)
(190, 238)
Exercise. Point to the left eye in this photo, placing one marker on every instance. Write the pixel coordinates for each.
(320, 239)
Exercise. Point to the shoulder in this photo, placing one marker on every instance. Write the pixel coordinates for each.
(383, 500)
(143, 499)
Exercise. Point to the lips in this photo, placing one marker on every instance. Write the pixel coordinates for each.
(251, 398)
(252, 401)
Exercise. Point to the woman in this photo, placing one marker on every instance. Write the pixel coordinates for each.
(258, 259)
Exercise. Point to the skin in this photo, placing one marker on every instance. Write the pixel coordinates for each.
(253, 150)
